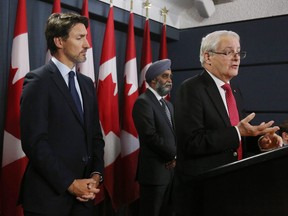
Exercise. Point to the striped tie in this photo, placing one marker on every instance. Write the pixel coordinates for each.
(167, 111)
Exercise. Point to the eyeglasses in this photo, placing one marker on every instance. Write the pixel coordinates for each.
(231, 54)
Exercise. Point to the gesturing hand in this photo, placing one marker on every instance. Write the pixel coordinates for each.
(246, 129)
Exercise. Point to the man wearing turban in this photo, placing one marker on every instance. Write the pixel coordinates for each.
(153, 119)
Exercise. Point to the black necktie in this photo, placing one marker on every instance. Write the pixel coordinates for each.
(74, 93)
(167, 111)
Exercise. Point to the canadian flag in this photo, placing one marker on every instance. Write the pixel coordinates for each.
(163, 51)
(56, 9)
(107, 92)
(146, 57)
(129, 136)
(87, 67)
(14, 160)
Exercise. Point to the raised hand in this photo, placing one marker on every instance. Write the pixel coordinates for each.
(246, 129)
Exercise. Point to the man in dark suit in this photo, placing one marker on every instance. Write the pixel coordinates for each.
(153, 119)
(207, 132)
(61, 138)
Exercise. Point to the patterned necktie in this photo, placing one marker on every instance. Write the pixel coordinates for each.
(167, 111)
(233, 112)
(74, 93)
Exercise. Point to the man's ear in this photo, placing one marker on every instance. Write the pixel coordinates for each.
(58, 42)
(207, 58)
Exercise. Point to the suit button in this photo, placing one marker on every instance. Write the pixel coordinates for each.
(86, 159)
(235, 154)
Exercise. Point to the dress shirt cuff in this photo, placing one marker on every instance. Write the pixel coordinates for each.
(260, 147)
(238, 132)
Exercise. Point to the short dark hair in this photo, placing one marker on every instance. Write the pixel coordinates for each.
(59, 25)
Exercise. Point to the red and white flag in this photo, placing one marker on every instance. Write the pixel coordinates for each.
(56, 9)
(87, 67)
(146, 58)
(14, 160)
(129, 136)
(163, 51)
(107, 92)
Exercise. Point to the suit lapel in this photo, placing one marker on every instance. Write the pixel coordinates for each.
(85, 97)
(216, 98)
(160, 108)
(63, 88)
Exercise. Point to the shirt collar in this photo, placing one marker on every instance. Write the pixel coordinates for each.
(155, 93)
(64, 69)
(217, 81)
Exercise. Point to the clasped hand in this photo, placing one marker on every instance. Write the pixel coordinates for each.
(84, 189)
(171, 164)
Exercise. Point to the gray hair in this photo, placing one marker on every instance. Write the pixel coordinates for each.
(211, 41)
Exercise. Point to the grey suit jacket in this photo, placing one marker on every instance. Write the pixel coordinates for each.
(157, 139)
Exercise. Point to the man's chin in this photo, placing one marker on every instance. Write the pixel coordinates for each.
(82, 60)
(168, 89)
(166, 92)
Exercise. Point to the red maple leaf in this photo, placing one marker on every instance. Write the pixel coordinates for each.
(128, 124)
(108, 106)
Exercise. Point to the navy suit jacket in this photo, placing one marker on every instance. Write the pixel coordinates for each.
(60, 148)
(157, 140)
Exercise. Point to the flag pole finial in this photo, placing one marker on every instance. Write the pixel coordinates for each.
(164, 13)
(147, 5)
(131, 5)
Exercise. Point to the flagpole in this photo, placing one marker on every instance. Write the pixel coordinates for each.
(146, 56)
(163, 52)
(147, 5)
(131, 6)
(164, 13)
(129, 136)
(107, 93)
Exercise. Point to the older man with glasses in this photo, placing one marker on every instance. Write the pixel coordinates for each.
(210, 121)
